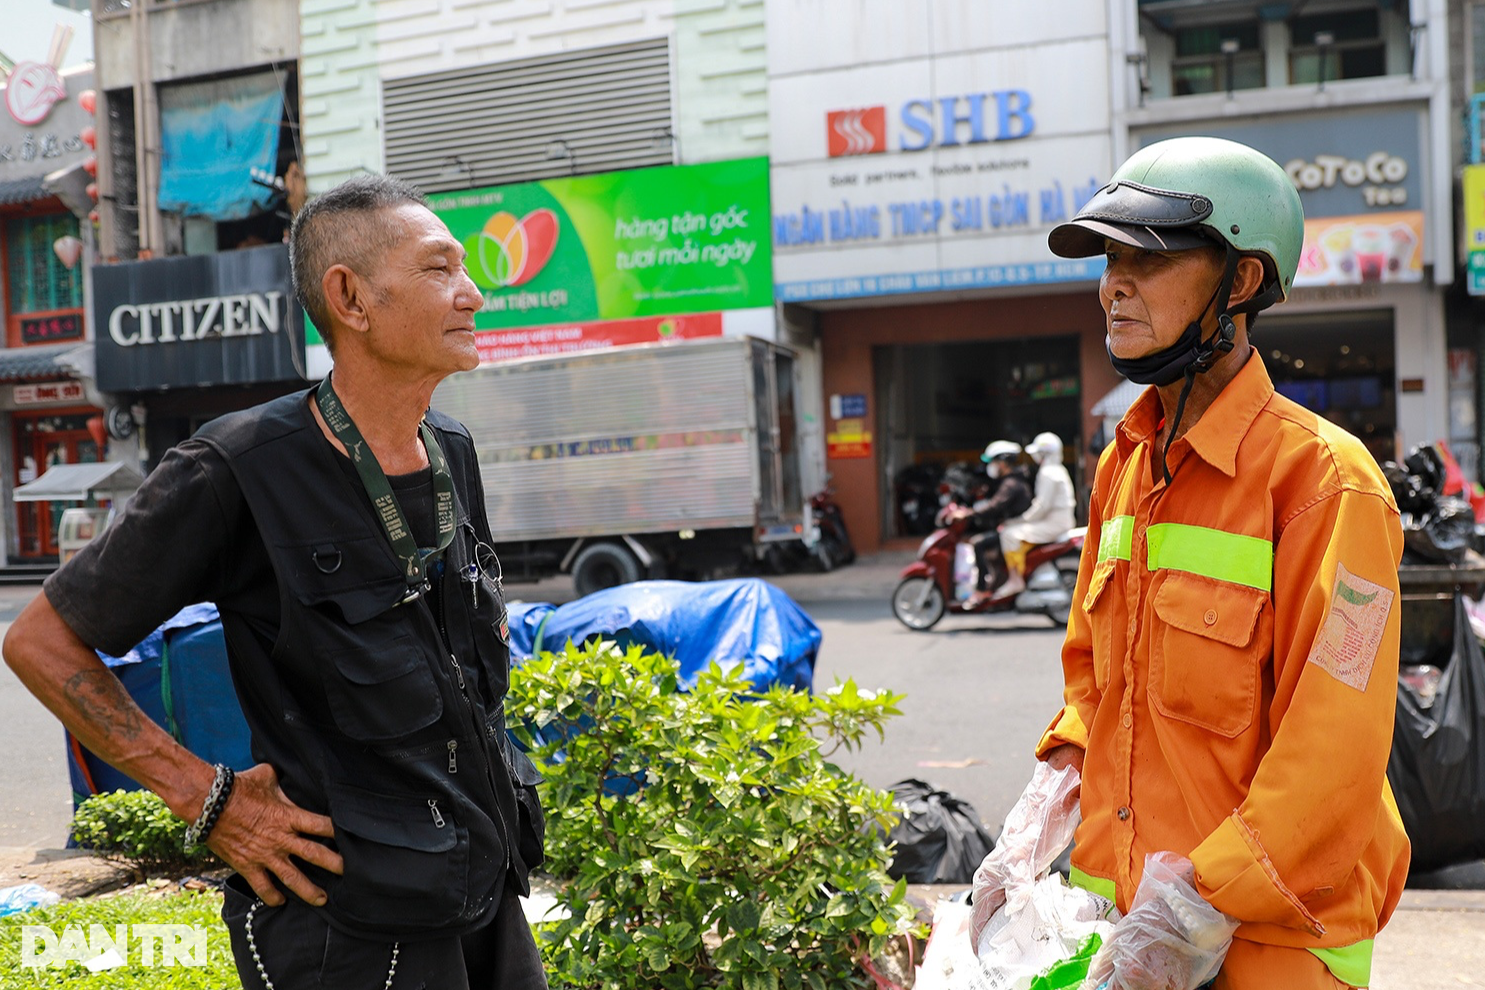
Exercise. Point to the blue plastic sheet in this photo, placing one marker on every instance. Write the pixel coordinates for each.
(212, 136)
(744, 621)
(180, 678)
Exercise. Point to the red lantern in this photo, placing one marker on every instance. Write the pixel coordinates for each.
(88, 100)
(93, 216)
(89, 135)
(92, 191)
(90, 165)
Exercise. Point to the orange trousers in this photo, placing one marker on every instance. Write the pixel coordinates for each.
(1252, 966)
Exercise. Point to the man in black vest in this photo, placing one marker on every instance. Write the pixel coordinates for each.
(388, 826)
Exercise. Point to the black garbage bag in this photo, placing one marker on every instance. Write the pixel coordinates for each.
(1437, 766)
(1437, 528)
(938, 839)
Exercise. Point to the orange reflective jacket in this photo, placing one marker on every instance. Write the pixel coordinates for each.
(1232, 671)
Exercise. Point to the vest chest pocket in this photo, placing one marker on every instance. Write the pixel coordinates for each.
(382, 692)
(1207, 650)
(1098, 605)
(370, 652)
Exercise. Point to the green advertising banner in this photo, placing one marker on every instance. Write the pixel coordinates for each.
(646, 242)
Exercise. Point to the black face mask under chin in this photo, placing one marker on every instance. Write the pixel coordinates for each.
(1164, 366)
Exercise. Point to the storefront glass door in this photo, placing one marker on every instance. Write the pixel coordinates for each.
(41, 442)
(1340, 365)
(938, 404)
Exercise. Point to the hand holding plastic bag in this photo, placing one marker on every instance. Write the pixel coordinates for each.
(1037, 829)
(1171, 939)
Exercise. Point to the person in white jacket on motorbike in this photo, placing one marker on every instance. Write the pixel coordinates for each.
(1049, 516)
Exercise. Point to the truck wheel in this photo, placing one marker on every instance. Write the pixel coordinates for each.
(604, 565)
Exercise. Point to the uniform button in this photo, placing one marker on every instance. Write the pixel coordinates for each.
(1128, 720)
(1124, 814)
(1211, 617)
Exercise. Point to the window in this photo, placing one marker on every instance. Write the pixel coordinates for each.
(38, 281)
(1343, 45)
(1216, 59)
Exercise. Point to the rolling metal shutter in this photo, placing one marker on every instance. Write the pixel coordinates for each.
(608, 107)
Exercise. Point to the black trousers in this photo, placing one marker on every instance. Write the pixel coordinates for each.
(987, 556)
(300, 951)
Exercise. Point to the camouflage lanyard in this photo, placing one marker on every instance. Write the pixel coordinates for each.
(414, 560)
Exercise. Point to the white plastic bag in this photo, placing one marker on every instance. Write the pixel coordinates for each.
(1171, 939)
(1023, 921)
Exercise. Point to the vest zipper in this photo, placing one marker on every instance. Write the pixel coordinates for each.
(453, 764)
(443, 632)
(433, 807)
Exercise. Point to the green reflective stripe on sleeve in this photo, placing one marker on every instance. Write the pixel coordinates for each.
(1116, 538)
(1212, 553)
(1097, 885)
(1351, 964)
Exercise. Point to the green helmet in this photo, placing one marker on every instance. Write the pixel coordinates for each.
(1191, 191)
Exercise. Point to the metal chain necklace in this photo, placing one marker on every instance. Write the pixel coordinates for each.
(258, 961)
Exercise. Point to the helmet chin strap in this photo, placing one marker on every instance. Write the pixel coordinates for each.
(1208, 352)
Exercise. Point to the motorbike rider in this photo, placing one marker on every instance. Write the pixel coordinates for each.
(1010, 497)
(1049, 515)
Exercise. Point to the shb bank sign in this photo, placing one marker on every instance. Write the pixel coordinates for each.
(216, 319)
(978, 118)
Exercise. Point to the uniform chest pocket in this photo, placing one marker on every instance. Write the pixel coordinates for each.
(1207, 651)
(1098, 605)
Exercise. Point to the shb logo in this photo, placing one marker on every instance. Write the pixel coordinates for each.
(510, 252)
(857, 132)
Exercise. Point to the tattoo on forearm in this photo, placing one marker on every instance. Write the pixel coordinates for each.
(102, 700)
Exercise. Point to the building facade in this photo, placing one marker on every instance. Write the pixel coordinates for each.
(48, 400)
(920, 155)
(200, 169)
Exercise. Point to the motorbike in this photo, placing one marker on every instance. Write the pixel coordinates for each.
(832, 543)
(943, 579)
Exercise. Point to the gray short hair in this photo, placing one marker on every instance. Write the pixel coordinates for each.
(343, 227)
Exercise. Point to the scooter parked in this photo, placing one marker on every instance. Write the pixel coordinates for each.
(943, 579)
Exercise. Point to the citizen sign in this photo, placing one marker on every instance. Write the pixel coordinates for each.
(245, 315)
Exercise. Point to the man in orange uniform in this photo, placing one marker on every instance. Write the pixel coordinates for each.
(1231, 663)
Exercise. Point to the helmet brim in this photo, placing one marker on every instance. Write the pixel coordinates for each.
(1085, 238)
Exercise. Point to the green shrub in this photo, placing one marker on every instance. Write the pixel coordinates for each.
(744, 859)
(138, 828)
(185, 908)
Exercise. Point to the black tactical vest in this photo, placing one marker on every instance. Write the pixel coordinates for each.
(387, 717)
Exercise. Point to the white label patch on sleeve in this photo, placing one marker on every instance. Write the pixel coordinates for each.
(1348, 643)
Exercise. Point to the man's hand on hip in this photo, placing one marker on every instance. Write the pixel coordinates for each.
(260, 829)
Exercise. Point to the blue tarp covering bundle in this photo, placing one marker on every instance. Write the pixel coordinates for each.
(747, 621)
(179, 677)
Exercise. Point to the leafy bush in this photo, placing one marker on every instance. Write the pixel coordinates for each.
(186, 908)
(739, 857)
(138, 828)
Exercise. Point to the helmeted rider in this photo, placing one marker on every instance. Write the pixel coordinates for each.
(1010, 497)
(1231, 657)
(1049, 515)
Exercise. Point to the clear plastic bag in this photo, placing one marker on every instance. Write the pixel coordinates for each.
(1023, 922)
(14, 900)
(1171, 939)
(1038, 828)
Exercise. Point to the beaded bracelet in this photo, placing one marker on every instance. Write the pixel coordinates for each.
(211, 808)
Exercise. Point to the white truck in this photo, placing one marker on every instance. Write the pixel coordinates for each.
(662, 460)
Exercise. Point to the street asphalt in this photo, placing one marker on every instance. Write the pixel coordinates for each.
(979, 691)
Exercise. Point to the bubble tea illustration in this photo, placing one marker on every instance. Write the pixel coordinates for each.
(1370, 244)
(1401, 243)
(1340, 253)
